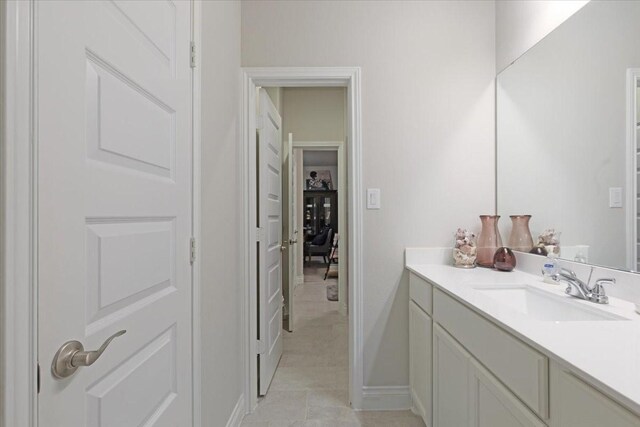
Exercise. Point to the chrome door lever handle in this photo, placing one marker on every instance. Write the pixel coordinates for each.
(72, 355)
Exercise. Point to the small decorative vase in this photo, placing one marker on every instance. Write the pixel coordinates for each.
(520, 238)
(550, 239)
(504, 259)
(465, 251)
(489, 240)
(464, 260)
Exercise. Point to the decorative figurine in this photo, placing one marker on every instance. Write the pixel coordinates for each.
(550, 239)
(465, 251)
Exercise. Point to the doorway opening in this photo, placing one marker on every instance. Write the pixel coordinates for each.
(311, 343)
(319, 218)
(308, 306)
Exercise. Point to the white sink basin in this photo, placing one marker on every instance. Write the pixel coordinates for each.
(545, 306)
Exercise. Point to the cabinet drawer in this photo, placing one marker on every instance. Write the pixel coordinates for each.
(521, 368)
(420, 291)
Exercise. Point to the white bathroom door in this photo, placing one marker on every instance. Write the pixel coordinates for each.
(270, 244)
(114, 210)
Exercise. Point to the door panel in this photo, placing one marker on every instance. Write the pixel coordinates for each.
(145, 380)
(576, 403)
(114, 214)
(450, 380)
(420, 358)
(493, 405)
(289, 232)
(270, 255)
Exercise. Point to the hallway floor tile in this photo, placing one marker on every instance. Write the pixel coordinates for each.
(310, 387)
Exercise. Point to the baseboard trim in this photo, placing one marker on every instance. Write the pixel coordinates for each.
(238, 413)
(392, 398)
(417, 408)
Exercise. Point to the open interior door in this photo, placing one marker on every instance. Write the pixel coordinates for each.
(289, 232)
(270, 245)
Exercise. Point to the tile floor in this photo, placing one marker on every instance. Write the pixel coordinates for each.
(310, 387)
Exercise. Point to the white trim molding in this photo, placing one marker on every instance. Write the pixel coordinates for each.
(393, 398)
(633, 77)
(196, 201)
(348, 77)
(19, 220)
(238, 413)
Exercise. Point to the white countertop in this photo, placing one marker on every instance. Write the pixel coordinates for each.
(605, 354)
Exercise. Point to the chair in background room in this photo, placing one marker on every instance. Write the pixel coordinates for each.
(321, 245)
(333, 256)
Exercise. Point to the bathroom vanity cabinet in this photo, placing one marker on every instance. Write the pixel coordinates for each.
(465, 370)
(420, 348)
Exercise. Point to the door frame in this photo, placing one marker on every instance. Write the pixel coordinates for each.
(342, 201)
(19, 215)
(348, 77)
(18, 264)
(633, 77)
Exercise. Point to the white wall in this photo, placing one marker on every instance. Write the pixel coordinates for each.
(520, 24)
(562, 129)
(428, 130)
(222, 372)
(314, 113)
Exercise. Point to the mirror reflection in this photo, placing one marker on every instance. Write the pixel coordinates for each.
(567, 136)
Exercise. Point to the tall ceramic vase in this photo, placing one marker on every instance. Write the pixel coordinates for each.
(520, 237)
(489, 240)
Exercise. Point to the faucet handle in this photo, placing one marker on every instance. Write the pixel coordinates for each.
(598, 293)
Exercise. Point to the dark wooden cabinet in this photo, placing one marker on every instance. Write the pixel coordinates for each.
(320, 209)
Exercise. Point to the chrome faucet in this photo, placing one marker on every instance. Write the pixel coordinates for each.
(579, 289)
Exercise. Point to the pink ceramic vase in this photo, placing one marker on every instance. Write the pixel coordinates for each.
(489, 240)
(520, 237)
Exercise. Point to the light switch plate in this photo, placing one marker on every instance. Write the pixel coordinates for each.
(373, 198)
(615, 197)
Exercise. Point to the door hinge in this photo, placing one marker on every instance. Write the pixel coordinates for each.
(260, 347)
(192, 250)
(260, 234)
(38, 379)
(193, 55)
(259, 123)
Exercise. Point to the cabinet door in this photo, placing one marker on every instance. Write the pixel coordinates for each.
(493, 405)
(420, 336)
(450, 381)
(575, 403)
